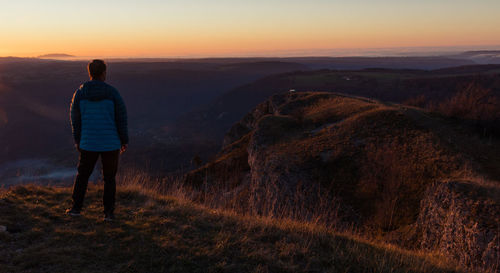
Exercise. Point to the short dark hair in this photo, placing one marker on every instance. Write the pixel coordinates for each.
(96, 68)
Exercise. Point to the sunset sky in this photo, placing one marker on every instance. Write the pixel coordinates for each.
(176, 28)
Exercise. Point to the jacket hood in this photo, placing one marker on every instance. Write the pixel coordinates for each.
(95, 90)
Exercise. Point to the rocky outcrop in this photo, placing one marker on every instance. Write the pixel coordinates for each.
(462, 220)
(350, 161)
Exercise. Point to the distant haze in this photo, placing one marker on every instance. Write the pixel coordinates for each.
(199, 28)
(340, 52)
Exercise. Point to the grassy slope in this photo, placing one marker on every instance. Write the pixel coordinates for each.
(161, 234)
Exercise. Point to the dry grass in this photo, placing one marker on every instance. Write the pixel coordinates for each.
(473, 104)
(335, 109)
(157, 233)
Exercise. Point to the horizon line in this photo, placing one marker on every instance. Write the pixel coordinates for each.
(402, 51)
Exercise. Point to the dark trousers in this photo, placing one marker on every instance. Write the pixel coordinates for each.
(86, 165)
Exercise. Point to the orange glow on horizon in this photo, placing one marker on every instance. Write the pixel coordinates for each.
(156, 29)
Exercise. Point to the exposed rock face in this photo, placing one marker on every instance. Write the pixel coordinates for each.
(462, 220)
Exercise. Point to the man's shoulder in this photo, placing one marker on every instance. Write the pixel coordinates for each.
(84, 86)
(81, 87)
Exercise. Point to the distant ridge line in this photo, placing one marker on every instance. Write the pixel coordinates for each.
(56, 55)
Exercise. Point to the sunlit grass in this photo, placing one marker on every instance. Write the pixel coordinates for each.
(157, 233)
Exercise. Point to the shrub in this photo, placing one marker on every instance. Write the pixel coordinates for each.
(473, 103)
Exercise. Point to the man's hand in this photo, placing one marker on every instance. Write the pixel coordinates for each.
(123, 148)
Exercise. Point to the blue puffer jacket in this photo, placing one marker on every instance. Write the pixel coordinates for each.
(98, 117)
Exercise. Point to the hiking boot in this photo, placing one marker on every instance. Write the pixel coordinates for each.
(109, 216)
(73, 212)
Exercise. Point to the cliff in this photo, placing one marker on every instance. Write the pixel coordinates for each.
(349, 161)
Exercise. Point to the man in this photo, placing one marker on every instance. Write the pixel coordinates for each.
(99, 126)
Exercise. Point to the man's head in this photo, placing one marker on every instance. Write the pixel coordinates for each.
(97, 70)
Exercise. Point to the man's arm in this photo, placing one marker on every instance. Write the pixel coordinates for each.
(121, 118)
(75, 117)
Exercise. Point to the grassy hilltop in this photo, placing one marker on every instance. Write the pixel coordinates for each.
(156, 233)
